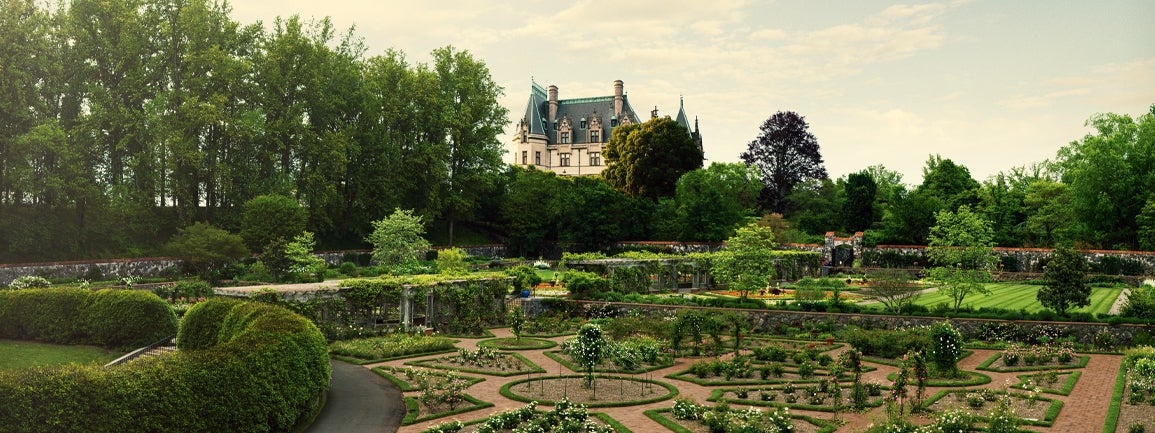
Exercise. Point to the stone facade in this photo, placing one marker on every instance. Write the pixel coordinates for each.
(568, 136)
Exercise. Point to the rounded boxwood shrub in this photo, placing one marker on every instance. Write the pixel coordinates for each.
(202, 323)
(266, 376)
(47, 315)
(128, 318)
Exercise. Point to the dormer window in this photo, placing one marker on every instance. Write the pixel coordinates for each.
(565, 131)
(595, 136)
(614, 122)
(595, 130)
(583, 124)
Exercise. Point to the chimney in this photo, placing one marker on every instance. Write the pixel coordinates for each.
(552, 105)
(618, 98)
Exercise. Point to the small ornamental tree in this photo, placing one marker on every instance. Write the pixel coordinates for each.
(1066, 285)
(588, 349)
(451, 261)
(204, 247)
(945, 347)
(516, 321)
(746, 263)
(306, 265)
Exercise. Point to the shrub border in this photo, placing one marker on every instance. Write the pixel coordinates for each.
(556, 356)
(534, 368)
(491, 343)
(411, 407)
(1112, 421)
(986, 365)
(406, 387)
(673, 391)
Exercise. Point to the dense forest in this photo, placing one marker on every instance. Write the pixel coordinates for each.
(124, 121)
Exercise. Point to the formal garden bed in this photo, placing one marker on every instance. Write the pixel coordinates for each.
(1135, 392)
(999, 363)
(1031, 407)
(604, 391)
(528, 418)
(482, 361)
(389, 347)
(514, 343)
(824, 396)
(686, 416)
(417, 410)
(421, 379)
(1050, 381)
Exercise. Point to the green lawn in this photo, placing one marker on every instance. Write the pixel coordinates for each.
(1013, 297)
(18, 355)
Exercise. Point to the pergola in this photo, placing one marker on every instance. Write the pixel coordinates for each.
(663, 274)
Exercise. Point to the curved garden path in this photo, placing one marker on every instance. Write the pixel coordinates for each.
(359, 401)
(1084, 409)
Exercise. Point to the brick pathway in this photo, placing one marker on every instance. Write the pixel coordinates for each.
(1083, 411)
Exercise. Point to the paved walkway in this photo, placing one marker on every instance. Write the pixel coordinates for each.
(360, 401)
(1083, 410)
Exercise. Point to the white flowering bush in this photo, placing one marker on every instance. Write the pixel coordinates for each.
(29, 282)
(954, 421)
(687, 409)
(945, 347)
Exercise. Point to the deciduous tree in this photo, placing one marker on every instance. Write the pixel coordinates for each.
(646, 160)
(893, 288)
(786, 154)
(961, 248)
(711, 202)
(746, 263)
(205, 247)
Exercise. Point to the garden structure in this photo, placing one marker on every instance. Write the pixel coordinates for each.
(1059, 391)
(650, 275)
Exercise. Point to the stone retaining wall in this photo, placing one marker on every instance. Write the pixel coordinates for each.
(94, 269)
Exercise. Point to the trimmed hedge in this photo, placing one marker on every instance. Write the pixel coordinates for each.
(265, 372)
(116, 319)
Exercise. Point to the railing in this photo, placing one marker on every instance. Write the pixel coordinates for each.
(140, 352)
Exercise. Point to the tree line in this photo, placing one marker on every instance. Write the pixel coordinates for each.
(125, 122)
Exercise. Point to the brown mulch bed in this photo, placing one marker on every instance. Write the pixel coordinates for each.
(607, 389)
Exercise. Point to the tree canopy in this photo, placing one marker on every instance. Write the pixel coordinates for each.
(711, 202)
(397, 239)
(786, 153)
(1066, 286)
(962, 249)
(646, 160)
(746, 263)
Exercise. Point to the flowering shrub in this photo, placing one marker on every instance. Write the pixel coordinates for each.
(954, 421)
(945, 346)
(29, 282)
(687, 409)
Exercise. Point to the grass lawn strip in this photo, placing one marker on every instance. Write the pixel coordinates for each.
(1081, 362)
(672, 391)
(974, 378)
(412, 407)
(512, 343)
(610, 421)
(1067, 386)
(1013, 297)
(560, 357)
(19, 355)
(663, 417)
(436, 363)
(395, 376)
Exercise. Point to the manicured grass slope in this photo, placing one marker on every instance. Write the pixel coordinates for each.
(19, 355)
(1012, 296)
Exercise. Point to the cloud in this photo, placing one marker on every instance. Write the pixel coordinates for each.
(1126, 84)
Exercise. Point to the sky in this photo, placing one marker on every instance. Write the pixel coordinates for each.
(991, 85)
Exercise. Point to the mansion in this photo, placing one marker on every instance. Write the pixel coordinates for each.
(567, 136)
